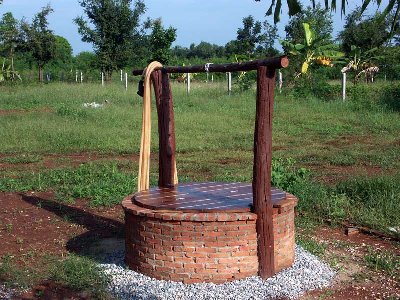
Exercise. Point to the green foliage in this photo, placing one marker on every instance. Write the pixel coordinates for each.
(319, 19)
(385, 261)
(375, 97)
(365, 33)
(249, 36)
(114, 32)
(7, 72)
(63, 54)
(80, 273)
(85, 61)
(160, 42)
(39, 40)
(9, 35)
(312, 51)
(285, 175)
(295, 8)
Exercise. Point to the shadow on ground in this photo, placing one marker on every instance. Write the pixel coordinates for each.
(103, 236)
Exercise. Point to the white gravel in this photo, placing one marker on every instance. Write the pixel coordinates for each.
(6, 293)
(307, 273)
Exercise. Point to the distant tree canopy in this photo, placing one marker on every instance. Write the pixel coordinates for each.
(160, 41)
(9, 35)
(112, 27)
(39, 40)
(364, 32)
(63, 53)
(253, 39)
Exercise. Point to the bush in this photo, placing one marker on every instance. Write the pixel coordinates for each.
(316, 86)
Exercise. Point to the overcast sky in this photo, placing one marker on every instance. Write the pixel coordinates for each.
(214, 21)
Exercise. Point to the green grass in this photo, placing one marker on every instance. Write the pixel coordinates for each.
(214, 135)
(75, 272)
(384, 261)
(21, 159)
(311, 245)
(80, 274)
(101, 184)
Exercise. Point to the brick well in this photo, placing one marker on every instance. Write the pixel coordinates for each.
(203, 246)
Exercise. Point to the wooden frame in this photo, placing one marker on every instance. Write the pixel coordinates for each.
(261, 185)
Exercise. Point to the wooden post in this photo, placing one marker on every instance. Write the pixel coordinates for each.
(166, 128)
(262, 201)
(229, 83)
(188, 83)
(344, 86)
(126, 81)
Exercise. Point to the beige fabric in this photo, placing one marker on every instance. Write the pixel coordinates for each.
(144, 160)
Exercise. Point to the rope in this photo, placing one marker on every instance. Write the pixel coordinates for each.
(144, 159)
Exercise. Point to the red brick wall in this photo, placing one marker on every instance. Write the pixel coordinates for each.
(202, 247)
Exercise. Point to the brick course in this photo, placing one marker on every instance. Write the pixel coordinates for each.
(203, 247)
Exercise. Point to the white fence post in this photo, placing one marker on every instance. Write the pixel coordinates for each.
(229, 83)
(188, 83)
(102, 79)
(81, 77)
(76, 75)
(126, 81)
(280, 82)
(121, 75)
(343, 86)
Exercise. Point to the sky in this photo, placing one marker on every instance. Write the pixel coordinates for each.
(213, 21)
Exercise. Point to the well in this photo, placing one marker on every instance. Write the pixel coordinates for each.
(203, 232)
(208, 232)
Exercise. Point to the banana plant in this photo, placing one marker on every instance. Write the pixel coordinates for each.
(7, 73)
(311, 52)
(359, 61)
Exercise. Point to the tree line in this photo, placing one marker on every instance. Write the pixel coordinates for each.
(122, 39)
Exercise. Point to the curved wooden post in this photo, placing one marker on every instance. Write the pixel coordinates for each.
(166, 128)
(262, 170)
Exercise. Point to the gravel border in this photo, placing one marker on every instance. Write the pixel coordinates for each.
(307, 273)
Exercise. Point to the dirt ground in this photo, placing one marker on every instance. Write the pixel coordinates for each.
(34, 225)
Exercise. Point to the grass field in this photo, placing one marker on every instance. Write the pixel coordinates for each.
(352, 152)
(340, 159)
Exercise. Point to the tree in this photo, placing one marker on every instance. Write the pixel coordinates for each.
(85, 61)
(318, 18)
(39, 40)
(270, 36)
(160, 42)
(249, 36)
(364, 32)
(9, 38)
(311, 51)
(63, 53)
(113, 30)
